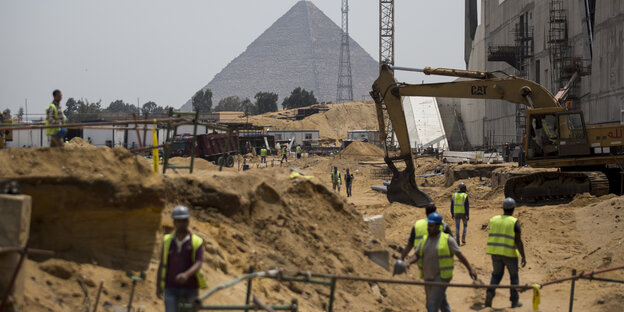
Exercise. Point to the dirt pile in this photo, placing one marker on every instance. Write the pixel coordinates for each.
(332, 124)
(96, 205)
(358, 149)
(272, 221)
(198, 163)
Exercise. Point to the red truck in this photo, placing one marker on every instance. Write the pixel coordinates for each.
(217, 148)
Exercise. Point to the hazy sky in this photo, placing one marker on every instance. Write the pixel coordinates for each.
(164, 51)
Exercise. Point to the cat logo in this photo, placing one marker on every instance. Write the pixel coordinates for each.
(478, 90)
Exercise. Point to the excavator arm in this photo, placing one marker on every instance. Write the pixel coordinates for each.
(387, 93)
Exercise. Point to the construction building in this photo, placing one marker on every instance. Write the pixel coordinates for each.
(546, 41)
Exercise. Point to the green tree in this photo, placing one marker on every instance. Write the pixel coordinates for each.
(6, 113)
(150, 108)
(82, 109)
(202, 101)
(266, 102)
(119, 106)
(299, 98)
(20, 113)
(231, 104)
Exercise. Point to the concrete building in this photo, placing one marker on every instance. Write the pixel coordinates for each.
(545, 41)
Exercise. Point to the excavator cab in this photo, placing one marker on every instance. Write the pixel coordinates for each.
(555, 133)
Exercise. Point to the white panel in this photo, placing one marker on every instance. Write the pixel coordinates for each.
(424, 122)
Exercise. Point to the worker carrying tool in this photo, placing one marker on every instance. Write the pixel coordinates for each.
(419, 230)
(504, 244)
(54, 116)
(335, 178)
(460, 210)
(434, 256)
(298, 150)
(179, 275)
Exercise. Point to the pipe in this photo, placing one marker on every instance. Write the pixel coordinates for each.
(87, 124)
(582, 275)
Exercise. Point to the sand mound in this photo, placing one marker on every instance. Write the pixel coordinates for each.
(332, 124)
(362, 149)
(89, 204)
(78, 142)
(198, 163)
(270, 220)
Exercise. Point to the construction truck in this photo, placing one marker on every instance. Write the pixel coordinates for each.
(218, 148)
(590, 158)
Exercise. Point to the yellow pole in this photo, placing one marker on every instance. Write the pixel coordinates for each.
(155, 150)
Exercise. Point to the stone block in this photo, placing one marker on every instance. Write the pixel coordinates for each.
(14, 232)
(377, 226)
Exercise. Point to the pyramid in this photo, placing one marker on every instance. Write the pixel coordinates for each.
(301, 49)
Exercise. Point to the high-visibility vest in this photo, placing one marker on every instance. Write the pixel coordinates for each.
(52, 131)
(336, 177)
(263, 152)
(459, 202)
(445, 258)
(420, 230)
(196, 242)
(502, 238)
(298, 149)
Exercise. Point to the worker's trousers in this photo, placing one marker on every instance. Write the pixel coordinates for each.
(460, 217)
(349, 189)
(336, 185)
(175, 296)
(436, 296)
(499, 263)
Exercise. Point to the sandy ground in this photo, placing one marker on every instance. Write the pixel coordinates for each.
(262, 218)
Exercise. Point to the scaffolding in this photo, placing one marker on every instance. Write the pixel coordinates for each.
(345, 81)
(558, 43)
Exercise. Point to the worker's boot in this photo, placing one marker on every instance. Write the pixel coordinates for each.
(516, 304)
(488, 300)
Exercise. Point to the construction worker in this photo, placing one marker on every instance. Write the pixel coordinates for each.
(54, 116)
(263, 154)
(419, 230)
(179, 276)
(335, 178)
(504, 243)
(460, 210)
(348, 182)
(298, 149)
(284, 154)
(434, 256)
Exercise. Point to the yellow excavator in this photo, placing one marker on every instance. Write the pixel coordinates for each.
(590, 158)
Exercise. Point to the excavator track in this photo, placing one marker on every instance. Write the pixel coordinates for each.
(555, 187)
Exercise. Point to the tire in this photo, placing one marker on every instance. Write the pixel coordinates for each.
(221, 161)
(229, 161)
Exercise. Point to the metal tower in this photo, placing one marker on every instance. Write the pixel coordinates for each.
(345, 81)
(386, 32)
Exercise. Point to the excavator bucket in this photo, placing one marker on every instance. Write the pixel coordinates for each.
(403, 189)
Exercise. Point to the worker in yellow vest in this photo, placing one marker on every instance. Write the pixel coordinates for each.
(504, 244)
(284, 154)
(263, 155)
(179, 276)
(419, 230)
(54, 116)
(460, 210)
(298, 150)
(335, 178)
(434, 256)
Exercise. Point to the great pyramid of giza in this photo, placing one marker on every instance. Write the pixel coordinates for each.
(301, 49)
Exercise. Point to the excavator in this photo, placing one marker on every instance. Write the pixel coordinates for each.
(589, 158)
